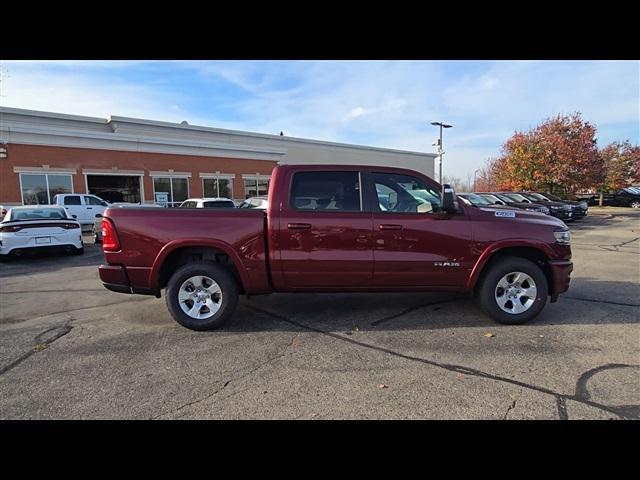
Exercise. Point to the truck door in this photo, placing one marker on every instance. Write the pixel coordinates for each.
(92, 206)
(73, 204)
(325, 236)
(414, 243)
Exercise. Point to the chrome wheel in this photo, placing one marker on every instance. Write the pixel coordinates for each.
(516, 292)
(635, 205)
(200, 297)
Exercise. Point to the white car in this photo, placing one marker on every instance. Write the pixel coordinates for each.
(218, 202)
(31, 228)
(259, 203)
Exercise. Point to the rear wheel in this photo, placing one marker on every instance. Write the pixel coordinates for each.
(78, 251)
(96, 239)
(202, 295)
(635, 204)
(513, 291)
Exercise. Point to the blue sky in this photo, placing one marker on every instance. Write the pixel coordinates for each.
(379, 103)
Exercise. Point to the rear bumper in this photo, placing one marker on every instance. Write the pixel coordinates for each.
(561, 275)
(116, 279)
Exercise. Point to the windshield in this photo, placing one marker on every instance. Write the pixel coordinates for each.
(634, 190)
(505, 198)
(219, 204)
(516, 197)
(492, 198)
(536, 197)
(39, 214)
(475, 199)
(553, 198)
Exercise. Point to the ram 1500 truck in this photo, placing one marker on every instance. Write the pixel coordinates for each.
(338, 228)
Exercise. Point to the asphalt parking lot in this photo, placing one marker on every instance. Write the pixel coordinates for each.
(70, 349)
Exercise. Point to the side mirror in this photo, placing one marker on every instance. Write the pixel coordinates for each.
(74, 216)
(98, 215)
(448, 199)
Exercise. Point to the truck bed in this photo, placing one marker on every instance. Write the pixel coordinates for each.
(148, 236)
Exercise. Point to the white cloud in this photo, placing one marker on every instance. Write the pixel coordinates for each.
(387, 104)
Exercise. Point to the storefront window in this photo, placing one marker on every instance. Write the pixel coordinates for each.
(217, 187)
(170, 191)
(256, 187)
(39, 189)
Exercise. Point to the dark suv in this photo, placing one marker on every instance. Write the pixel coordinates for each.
(502, 199)
(578, 209)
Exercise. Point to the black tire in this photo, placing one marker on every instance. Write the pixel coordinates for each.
(95, 236)
(78, 251)
(486, 291)
(221, 276)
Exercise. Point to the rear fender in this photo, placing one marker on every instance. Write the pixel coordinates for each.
(154, 276)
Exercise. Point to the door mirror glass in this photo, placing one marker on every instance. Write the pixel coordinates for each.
(448, 199)
(98, 215)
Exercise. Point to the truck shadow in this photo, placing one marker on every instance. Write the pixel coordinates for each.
(589, 304)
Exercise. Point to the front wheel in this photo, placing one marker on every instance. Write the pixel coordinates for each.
(635, 204)
(202, 295)
(513, 291)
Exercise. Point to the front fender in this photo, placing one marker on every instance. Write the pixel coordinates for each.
(489, 251)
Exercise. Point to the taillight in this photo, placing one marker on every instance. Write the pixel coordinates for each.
(110, 241)
(10, 229)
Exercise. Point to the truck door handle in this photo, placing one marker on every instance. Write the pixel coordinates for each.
(89, 208)
(298, 226)
(390, 226)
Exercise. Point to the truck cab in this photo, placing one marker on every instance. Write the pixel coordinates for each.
(82, 207)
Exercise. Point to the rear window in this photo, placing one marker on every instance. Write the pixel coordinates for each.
(72, 200)
(227, 204)
(333, 191)
(39, 214)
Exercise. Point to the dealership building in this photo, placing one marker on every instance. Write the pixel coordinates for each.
(124, 159)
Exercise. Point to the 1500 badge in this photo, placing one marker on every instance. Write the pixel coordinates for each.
(506, 214)
(446, 264)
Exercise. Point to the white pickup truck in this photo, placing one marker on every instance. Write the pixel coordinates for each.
(83, 207)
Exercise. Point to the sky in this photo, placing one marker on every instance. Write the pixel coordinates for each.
(378, 103)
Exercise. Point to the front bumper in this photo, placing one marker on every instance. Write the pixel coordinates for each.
(561, 277)
(562, 214)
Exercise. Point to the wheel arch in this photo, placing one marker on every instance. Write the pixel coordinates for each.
(535, 253)
(173, 256)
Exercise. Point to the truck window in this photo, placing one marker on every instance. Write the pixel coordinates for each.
(72, 200)
(404, 194)
(326, 191)
(218, 204)
(88, 200)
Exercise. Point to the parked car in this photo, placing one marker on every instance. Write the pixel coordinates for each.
(82, 207)
(96, 230)
(344, 241)
(218, 202)
(578, 209)
(480, 201)
(559, 210)
(502, 199)
(31, 228)
(625, 197)
(259, 203)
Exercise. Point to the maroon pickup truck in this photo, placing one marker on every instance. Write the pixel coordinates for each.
(338, 228)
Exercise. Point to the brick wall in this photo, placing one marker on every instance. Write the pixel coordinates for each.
(64, 157)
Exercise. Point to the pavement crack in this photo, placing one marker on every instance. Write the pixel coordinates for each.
(602, 301)
(228, 382)
(509, 408)
(411, 309)
(41, 342)
(462, 369)
(561, 404)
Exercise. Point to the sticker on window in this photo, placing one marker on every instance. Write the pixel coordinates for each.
(506, 214)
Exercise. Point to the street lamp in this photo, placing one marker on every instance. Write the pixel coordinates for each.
(440, 150)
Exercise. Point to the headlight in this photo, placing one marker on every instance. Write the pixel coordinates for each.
(554, 207)
(562, 236)
(584, 205)
(545, 210)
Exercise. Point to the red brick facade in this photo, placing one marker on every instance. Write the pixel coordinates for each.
(36, 156)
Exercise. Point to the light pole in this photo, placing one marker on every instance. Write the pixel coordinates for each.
(474, 179)
(440, 150)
